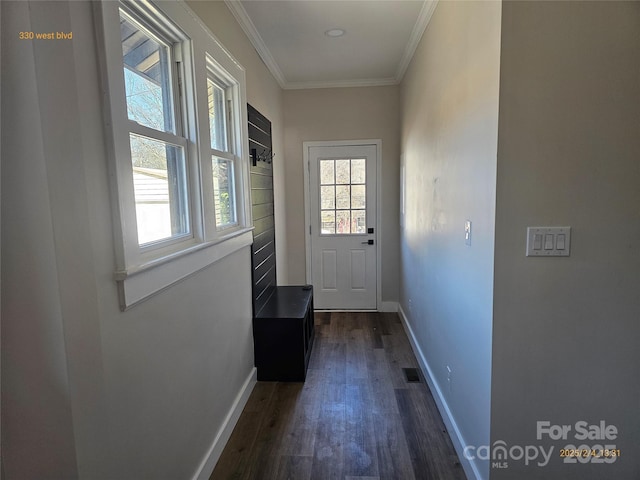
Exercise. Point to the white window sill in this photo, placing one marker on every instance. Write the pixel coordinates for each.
(142, 281)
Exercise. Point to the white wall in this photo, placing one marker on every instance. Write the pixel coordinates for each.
(343, 114)
(566, 330)
(89, 391)
(36, 409)
(449, 143)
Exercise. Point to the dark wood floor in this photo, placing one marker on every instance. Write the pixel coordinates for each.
(356, 416)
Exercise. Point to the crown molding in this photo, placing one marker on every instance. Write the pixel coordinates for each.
(424, 17)
(251, 31)
(361, 82)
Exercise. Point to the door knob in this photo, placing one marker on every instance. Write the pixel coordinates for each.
(368, 242)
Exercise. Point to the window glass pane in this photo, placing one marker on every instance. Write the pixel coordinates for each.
(342, 171)
(147, 77)
(326, 172)
(358, 196)
(217, 118)
(159, 181)
(328, 221)
(342, 196)
(223, 192)
(358, 221)
(327, 197)
(343, 221)
(358, 171)
(342, 188)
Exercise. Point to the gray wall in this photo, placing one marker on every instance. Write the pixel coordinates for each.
(355, 113)
(566, 330)
(449, 142)
(89, 391)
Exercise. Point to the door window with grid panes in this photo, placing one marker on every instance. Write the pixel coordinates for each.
(343, 194)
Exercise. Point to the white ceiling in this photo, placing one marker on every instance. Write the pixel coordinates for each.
(381, 37)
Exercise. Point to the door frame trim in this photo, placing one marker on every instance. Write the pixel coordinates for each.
(307, 204)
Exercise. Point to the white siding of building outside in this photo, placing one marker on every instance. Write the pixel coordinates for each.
(152, 204)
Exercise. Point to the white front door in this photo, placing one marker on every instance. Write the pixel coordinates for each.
(342, 215)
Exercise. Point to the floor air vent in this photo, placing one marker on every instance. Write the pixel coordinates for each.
(411, 375)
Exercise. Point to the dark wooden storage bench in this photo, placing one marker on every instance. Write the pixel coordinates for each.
(283, 333)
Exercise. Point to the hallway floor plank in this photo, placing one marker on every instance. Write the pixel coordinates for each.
(355, 417)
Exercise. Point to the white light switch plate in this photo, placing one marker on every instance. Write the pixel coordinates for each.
(548, 241)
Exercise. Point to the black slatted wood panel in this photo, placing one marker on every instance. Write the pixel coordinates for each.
(263, 251)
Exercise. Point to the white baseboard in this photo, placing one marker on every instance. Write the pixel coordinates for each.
(205, 469)
(470, 467)
(384, 307)
(389, 307)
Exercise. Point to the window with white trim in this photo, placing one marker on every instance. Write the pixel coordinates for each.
(176, 123)
(156, 140)
(220, 94)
